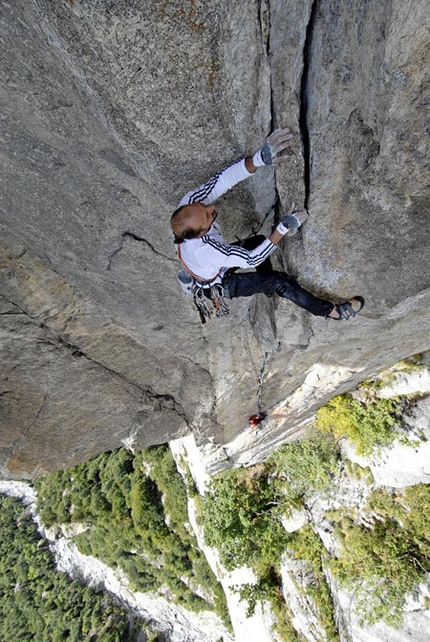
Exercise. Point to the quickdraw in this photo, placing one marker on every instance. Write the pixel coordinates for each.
(216, 296)
(256, 228)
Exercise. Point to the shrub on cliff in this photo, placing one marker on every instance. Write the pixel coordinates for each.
(305, 467)
(384, 558)
(366, 425)
(241, 515)
(241, 518)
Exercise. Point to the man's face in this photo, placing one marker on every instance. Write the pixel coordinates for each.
(200, 217)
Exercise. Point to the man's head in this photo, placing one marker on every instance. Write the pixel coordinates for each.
(192, 221)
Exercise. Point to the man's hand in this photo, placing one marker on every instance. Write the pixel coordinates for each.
(290, 223)
(270, 153)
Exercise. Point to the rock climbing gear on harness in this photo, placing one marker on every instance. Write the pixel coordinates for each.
(217, 297)
(202, 295)
(202, 305)
(215, 294)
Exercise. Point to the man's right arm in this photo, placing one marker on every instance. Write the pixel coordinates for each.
(272, 152)
(219, 184)
(276, 236)
(222, 255)
(228, 256)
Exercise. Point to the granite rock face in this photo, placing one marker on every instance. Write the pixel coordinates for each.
(110, 112)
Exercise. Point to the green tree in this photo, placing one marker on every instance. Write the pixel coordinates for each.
(135, 510)
(305, 467)
(38, 603)
(241, 518)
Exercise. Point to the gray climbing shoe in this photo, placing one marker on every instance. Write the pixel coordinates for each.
(347, 310)
(186, 282)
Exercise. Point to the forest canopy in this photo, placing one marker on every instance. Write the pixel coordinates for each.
(40, 604)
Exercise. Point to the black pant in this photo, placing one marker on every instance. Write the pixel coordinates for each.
(268, 281)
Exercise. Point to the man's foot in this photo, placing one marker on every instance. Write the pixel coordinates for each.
(301, 216)
(347, 310)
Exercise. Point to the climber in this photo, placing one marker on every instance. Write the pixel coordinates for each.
(205, 255)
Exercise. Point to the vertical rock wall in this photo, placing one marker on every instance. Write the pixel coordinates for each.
(110, 112)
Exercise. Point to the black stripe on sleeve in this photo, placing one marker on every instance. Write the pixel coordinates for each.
(236, 250)
(204, 191)
(201, 193)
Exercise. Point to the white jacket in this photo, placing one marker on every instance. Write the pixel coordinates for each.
(209, 256)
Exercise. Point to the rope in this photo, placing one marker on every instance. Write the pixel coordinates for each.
(263, 220)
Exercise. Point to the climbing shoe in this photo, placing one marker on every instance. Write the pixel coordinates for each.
(186, 282)
(348, 309)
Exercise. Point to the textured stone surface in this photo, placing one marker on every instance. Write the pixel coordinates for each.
(73, 380)
(416, 619)
(110, 111)
(366, 90)
(297, 576)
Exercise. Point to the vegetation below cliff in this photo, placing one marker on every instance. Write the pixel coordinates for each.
(134, 511)
(242, 518)
(310, 511)
(38, 603)
(387, 554)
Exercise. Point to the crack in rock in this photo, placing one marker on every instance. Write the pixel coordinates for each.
(15, 309)
(265, 26)
(303, 102)
(37, 415)
(264, 18)
(139, 239)
(260, 382)
(164, 401)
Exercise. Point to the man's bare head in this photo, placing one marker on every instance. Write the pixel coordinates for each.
(192, 221)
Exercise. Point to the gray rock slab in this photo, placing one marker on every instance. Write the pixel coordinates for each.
(111, 111)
